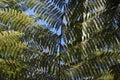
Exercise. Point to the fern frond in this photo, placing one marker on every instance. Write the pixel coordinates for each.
(59, 3)
(42, 65)
(19, 21)
(10, 45)
(11, 50)
(47, 11)
(11, 18)
(11, 68)
(90, 69)
(93, 28)
(10, 35)
(13, 4)
(106, 76)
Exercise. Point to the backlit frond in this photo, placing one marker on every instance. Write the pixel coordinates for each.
(47, 11)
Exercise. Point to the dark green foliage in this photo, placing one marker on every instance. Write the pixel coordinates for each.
(80, 40)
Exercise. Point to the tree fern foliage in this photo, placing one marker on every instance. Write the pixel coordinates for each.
(79, 40)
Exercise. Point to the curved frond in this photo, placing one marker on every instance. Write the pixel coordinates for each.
(10, 45)
(11, 18)
(93, 28)
(47, 11)
(90, 69)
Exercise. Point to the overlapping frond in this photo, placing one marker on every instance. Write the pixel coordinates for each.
(15, 20)
(10, 45)
(100, 35)
(43, 66)
(10, 68)
(11, 50)
(93, 29)
(86, 47)
(11, 18)
(90, 69)
(46, 11)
